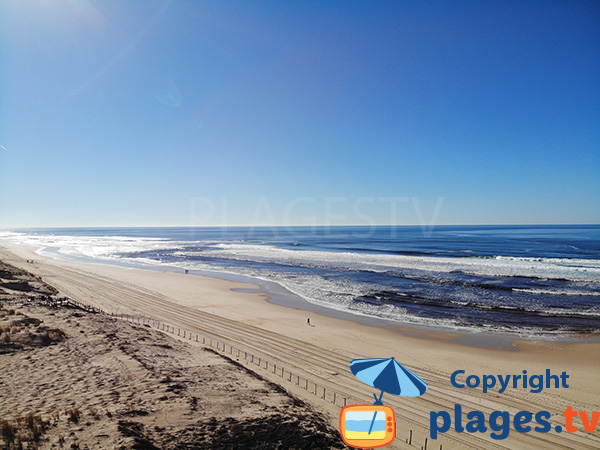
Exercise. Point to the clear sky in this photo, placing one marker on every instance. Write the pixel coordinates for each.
(142, 113)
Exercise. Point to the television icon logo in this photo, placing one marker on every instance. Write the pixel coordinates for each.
(367, 426)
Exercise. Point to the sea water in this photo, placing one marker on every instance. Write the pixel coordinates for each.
(365, 425)
(528, 279)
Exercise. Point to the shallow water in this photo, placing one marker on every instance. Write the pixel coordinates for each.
(535, 280)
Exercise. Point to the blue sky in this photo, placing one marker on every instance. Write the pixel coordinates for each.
(142, 113)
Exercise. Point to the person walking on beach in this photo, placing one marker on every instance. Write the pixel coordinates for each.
(308, 321)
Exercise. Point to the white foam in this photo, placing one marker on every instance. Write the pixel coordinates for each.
(575, 270)
(98, 247)
(557, 292)
(109, 247)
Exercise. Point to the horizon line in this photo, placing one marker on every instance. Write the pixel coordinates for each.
(302, 226)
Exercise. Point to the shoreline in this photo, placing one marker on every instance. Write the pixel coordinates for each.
(279, 295)
(323, 351)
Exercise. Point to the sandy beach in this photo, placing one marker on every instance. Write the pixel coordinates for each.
(315, 358)
(78, 379)
(299, 225)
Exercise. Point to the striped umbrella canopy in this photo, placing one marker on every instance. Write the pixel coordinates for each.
(389, 376)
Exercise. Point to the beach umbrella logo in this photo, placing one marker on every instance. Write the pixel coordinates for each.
(373, 426)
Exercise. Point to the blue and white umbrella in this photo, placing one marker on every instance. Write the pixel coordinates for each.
(389, 376)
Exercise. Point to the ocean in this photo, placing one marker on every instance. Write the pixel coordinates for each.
(528, 280)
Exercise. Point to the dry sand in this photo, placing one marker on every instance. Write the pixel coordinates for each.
(75, 379)
(322, 353)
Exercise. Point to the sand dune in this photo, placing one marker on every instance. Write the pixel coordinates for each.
(75, 379)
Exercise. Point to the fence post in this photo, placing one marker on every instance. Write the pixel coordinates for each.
(410, 438)
(334, 397)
